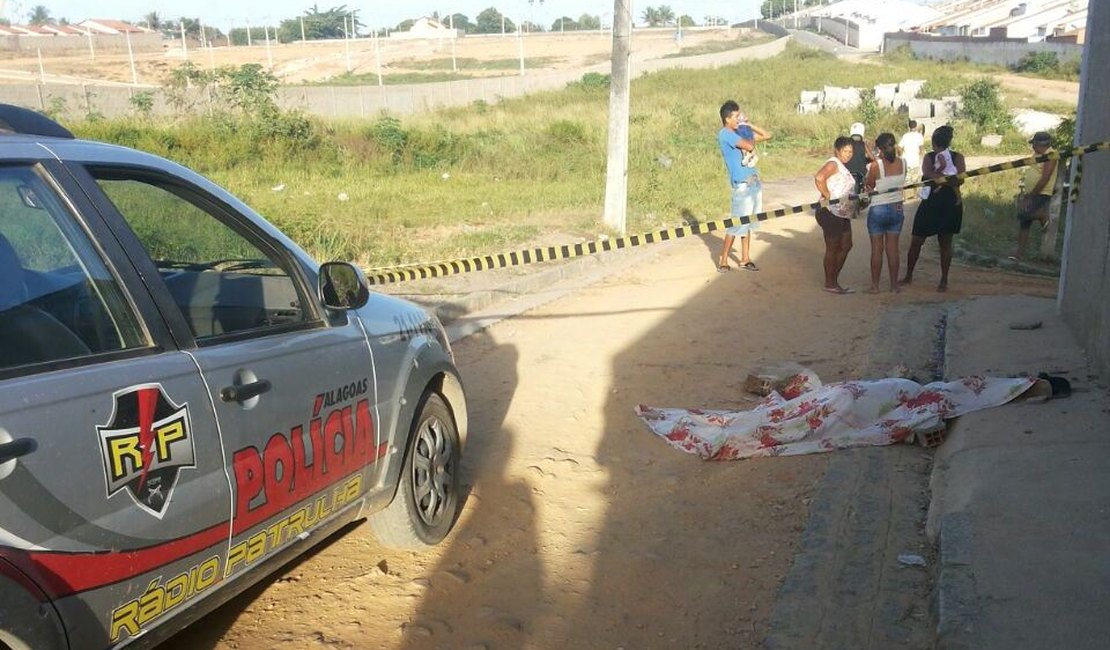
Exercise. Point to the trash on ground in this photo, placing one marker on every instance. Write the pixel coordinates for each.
(911, 559)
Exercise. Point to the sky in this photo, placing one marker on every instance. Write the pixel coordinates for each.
(225, 14)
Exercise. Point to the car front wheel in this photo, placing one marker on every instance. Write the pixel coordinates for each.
(427, 499)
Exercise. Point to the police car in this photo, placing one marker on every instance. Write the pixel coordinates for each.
(187, 399)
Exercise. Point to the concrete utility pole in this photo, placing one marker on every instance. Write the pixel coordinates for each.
(303, 39)
(184, 45)
(269, 53)
(616, 168)
(520, 47)
(131, 58)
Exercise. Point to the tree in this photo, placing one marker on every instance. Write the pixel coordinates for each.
(153, 21)
(587, 21)
(489, 22)
(687, 21)
(529, 26)
(780, 7)
(666, 14)
(40, 15)
(461, 21)
(191, 26)
(651, 17)
(333, 23)
(566, 23)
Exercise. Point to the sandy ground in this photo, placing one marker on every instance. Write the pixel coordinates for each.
(582, 530)
(308, 62)
(1042, 89)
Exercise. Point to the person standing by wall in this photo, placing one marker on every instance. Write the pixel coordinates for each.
(885, 176)
(1038, 183)
(747, 191)
(909, 148)
(941, 212)
(835, 181)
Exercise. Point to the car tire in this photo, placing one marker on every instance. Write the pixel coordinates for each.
(427, 500)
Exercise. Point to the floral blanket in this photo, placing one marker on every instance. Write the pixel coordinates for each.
(829, 417)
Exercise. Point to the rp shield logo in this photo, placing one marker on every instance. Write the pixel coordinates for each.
(145, 444)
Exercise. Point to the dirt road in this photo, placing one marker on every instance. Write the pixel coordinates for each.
(582, 529)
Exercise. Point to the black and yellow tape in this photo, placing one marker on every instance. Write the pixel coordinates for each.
(427, 270)
(1073, 196)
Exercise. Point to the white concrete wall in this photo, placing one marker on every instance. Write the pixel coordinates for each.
(979, 49)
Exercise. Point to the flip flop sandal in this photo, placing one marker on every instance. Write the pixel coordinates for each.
(724, 269)
(750, 266)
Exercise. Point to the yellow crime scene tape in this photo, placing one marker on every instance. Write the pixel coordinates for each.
(427, 270)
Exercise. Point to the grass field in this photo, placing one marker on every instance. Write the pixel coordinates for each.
(484, 178)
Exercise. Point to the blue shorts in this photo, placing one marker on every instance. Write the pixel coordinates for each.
(885, 218)
(747, 200)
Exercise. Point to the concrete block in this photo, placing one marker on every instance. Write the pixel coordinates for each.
(885, 94)
(806, 109)
(901, 101)
(920, 108)
(993, 140)
(841, 97)
(812, 97)
(911, 87)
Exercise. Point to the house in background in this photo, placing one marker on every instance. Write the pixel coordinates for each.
(430, 28)
(104, 26)
(1032, 20)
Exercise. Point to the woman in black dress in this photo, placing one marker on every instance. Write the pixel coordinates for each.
(941, 212)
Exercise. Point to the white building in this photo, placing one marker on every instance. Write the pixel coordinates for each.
(104, 26)
(1028, 19)
(866, 21)
(430, 28)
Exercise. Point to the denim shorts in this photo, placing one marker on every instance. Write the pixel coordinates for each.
(747, 199)
(886, 218)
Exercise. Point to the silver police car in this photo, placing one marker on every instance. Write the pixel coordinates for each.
(187, 399)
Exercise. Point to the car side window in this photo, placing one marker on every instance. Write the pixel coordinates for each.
(223, 282)
(58, 299)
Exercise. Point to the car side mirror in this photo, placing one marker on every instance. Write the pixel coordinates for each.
(343, 286)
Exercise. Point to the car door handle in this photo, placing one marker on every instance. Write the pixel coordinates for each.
(16, 448)
(246, 391)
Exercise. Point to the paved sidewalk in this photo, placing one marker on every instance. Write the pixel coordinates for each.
(1021, 493)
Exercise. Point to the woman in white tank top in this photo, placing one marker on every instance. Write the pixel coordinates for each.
(885, 176)
(835, 182)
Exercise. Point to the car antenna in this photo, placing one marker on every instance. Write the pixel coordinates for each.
(17, 119)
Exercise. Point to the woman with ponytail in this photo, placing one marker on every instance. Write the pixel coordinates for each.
(885, 175)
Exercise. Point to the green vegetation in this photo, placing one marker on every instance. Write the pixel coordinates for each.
(1046, 65)
(983, 108)
(484, 177)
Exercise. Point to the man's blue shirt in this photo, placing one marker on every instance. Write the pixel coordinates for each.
(734, 157)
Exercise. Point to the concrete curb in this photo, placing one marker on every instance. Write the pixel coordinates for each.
(1018, 493)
